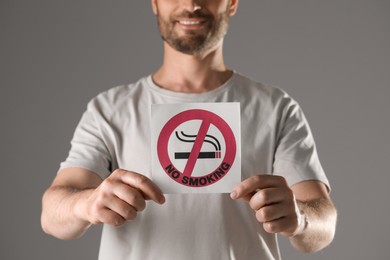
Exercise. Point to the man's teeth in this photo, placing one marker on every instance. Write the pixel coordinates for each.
(190, 22)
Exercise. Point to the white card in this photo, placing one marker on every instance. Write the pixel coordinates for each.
(196, 147)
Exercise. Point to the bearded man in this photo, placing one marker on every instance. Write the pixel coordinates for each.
(106, 178)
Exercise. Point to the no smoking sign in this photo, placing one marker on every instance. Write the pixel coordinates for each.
(196, 147)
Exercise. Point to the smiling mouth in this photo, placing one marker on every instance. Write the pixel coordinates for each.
(191, 22)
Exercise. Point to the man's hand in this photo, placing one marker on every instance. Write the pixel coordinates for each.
(304, 212)
(78, 198)
(119, 197)
(273, 201)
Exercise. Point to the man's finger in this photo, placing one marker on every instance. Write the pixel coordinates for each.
(123, 209)
(247, 188)
(146, 186)
(131, 196)
(265, 197)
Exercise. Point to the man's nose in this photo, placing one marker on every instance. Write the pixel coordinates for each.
(192, 5)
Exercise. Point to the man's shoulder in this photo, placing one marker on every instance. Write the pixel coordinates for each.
(257, 89)
(115, 96)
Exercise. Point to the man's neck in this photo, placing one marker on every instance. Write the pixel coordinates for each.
(192, 74)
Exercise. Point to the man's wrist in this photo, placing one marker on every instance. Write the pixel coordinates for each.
(80, 206)
(302, 224)
(301, 219)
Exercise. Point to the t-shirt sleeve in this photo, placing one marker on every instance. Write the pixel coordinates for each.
(88, 147)
(296, 157)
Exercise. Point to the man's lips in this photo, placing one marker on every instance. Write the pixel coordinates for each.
(191, 23)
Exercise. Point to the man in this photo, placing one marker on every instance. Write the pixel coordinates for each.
(106, 177)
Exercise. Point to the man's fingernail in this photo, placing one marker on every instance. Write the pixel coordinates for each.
(233, 195)
(162, 200)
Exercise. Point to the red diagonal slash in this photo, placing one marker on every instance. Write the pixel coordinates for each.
(204, 128)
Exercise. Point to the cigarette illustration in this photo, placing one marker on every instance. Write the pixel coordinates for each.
(202, 155)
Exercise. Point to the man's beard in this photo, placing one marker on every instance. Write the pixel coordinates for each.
(194, 42)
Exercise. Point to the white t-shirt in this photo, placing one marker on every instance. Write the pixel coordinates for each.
(114, 132)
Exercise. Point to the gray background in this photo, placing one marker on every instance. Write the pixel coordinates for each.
(332, 56)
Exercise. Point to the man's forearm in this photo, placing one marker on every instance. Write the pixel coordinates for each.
(319, 225)
(60, 212)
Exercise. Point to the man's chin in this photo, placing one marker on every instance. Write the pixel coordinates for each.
(187, 45)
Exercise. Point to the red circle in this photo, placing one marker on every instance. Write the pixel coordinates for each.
(195, 114)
